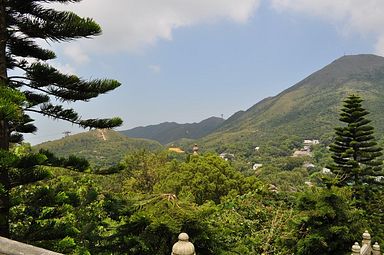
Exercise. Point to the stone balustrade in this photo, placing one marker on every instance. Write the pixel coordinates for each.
(366, 248)
(181, 247)
(10, 247)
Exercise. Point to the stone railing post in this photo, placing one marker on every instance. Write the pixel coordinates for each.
(183, 246)
(366, 248)
(376, 249)
(356, 249)
(366, 238)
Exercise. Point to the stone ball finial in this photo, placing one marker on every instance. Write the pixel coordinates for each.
(183, 246)
(183, 237)
(376, 249)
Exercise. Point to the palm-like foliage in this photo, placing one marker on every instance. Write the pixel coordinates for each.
(39, 87)
(26, 21)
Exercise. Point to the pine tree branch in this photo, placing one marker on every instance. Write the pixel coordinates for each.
(20, 67)
(20, 77)
(89, 123)
(52, 115)
(36, 88)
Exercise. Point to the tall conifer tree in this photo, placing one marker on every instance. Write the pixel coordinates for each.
(355, 151)
(42, 88)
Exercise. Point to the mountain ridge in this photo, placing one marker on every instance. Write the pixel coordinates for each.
(168, 132)
(309, 108)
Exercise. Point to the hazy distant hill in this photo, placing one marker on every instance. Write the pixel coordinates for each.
(310, 108)
(100, 147)
(168, 132)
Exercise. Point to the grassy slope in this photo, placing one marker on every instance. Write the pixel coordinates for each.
(98, 149)
(310, 108)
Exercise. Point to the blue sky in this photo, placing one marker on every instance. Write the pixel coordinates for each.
(184, 60)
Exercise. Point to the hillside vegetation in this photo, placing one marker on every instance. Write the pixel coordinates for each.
(308, 109)
(101, 147)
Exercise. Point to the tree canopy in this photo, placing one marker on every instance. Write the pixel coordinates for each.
(44, 87)
(355, 151)
(357, 161)
(28, 83)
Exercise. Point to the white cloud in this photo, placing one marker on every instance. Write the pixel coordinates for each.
(76, 53)
(352, 16)
(131, 25)
(154, 68)
(379, 47)
(64, 68)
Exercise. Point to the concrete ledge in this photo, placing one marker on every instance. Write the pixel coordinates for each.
(10, 247)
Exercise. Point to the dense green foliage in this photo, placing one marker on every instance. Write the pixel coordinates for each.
(203, 179)
(153, 199)
(327, 222)
(64, 213)
(18, 167)
(142, 208)
(74, 162)
(253, 224)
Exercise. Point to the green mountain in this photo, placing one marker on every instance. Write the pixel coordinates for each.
(101, 147)
(307, 110)
(169, 132)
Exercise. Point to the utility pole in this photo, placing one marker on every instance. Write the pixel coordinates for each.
(66, 133)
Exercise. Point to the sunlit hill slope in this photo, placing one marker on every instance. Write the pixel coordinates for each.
(308, 109)
(101, 147)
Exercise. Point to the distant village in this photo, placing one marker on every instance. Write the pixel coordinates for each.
(305, 151)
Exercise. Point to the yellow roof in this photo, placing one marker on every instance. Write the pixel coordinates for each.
(176, 149)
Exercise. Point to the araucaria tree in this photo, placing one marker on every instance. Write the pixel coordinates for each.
(355, 152)
(40, 88)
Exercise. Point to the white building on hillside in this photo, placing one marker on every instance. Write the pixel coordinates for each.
(311, 142)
